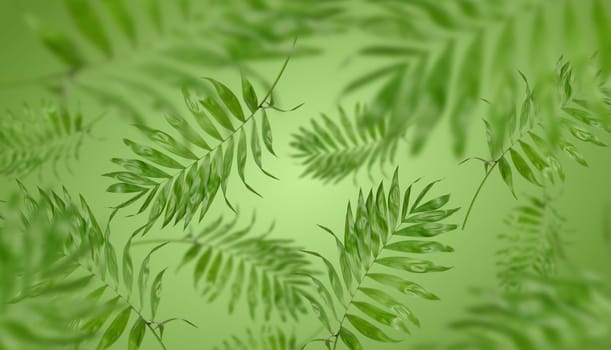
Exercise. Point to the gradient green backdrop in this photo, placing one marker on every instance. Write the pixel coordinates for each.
(297, 204)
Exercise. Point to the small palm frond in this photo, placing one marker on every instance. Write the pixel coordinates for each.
(96, 275)
(37, 306)
(268, 273)
(435, 59)
(526, 142)
(266, 338)
(380, 224)
(196, 178)
(549, 313)
(334, 150)
(534, 245)
(155, 45)
(37, 136)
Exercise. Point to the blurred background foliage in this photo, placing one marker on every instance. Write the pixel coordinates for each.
(417, 84)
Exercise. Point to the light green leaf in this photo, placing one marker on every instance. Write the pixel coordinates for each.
(249, 95)
(229, 99)
(369, 330)
(153, 155)
(506, 174)
(411, 265)
(241, 160)
(266, 132)
(136, 336)
(350, 339)
(156, 292)
(419, 247)
(523, 167)
(116, 328)
(217, 111)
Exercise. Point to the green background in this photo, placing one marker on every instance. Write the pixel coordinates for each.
(297, 204)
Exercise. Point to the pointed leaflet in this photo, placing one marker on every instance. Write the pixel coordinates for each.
(183, 127)
(226, 169)
(386, 318)
(343, 259)
(168, 142)
(348, 338)
(217, 111)
(128, 266)
(368, 329)
(114, 331)
(89, 24)
(156, 292)
(143, 275)
(137, 334)
(241, 160)
(202, 120)
(533, 156)
(256, 149)
(506, 174)
(266, 132)
(333, 277)
(249, 95)
(153, 155)
(523, 167)
(229, 99)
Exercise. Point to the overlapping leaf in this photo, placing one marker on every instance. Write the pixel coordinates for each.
(534, 245)
(332, 150)
(266, 338)
(90, 269)
(180, 175)
(188, 37)
(526, 142)
(265, 274)
(39, 136)
(386, 231)
(436, 59)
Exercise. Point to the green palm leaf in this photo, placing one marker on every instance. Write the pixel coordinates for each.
(189, 36)
(528, 144)
(334, 150)
(48, 134)
(177, 184)
(86, 267)
(267, 274)
(267, 337)
(381, 222)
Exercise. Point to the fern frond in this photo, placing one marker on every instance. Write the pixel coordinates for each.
(381, 223)
(527, 143)
(436, 59)
(534, 245)
(268, 337)
(97, 276)
(549, 313)
(334, 150)
(188, 36)
(268, 273)
(47, 134)
(37, 305)
(195, 179)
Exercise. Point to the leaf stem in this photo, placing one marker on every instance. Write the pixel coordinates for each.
(129, 304)
(477, 192)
